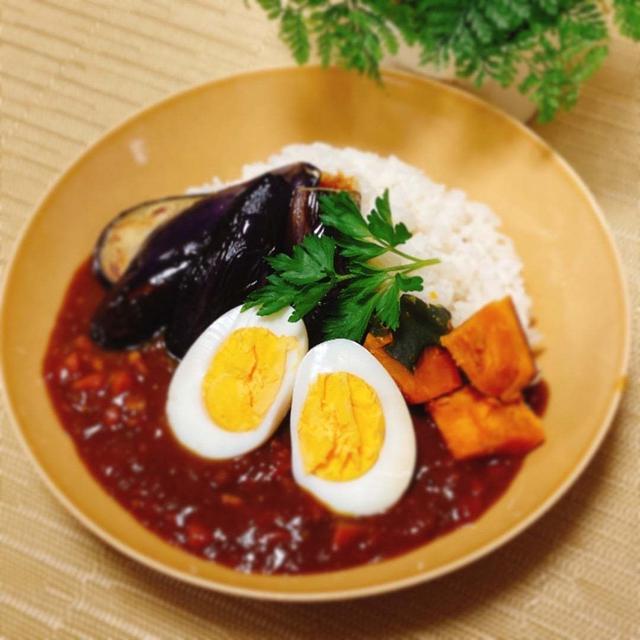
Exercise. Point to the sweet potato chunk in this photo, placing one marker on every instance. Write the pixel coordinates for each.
(435, 373)
(474, 425)
(492, 349)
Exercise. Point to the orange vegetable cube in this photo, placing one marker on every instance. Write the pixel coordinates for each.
(346, 533)
(474, 425)
(90, 382)
(72, 362)
(120, 381)
(401, 375)
(492, 349)
(435, 375)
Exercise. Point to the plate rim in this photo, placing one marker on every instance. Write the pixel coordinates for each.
(386, 586)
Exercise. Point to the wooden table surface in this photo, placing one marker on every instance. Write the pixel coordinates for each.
(70, 69)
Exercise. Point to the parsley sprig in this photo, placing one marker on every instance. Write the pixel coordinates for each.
(319, 265)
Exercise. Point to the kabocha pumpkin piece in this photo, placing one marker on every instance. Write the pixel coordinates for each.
(435, 373)
(475, 425)
(492, 349)
(402, 376)
(420, 327)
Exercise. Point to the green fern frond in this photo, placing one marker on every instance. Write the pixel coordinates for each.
(293, 30)
(548, 48)
(627, 17)
(273, 8)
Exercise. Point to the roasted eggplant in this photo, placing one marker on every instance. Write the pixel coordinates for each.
(140, 303)
(233, 263)
(125, 235)
(121, 239)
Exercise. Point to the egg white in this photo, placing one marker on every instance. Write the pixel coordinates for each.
(186, 412)
(385, 482)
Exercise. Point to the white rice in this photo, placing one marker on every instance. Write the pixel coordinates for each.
(478, 262)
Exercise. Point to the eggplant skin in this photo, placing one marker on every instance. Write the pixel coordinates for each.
(234, 262)
(129, 317)
(141, 301)
(139, 304)
(120, 241)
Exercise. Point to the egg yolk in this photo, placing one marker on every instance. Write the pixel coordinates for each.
(244, 377)
(341, 429)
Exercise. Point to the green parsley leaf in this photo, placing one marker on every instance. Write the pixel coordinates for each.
(275, 295)
(409, 283)
(357, 294)
(386, 305)
(381, 225)
(387, 308)
(311, 297)
(360, 249)
(309, 262)
(350, 318)
(357, 237)
(340, 212)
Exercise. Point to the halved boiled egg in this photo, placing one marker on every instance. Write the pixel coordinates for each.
(352, 440)
(233, 388)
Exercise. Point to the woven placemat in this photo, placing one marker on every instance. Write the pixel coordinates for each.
(69, 70)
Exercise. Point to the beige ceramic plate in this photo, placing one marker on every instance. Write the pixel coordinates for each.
(571, 269)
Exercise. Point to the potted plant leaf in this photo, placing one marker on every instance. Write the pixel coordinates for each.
(541, 51)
